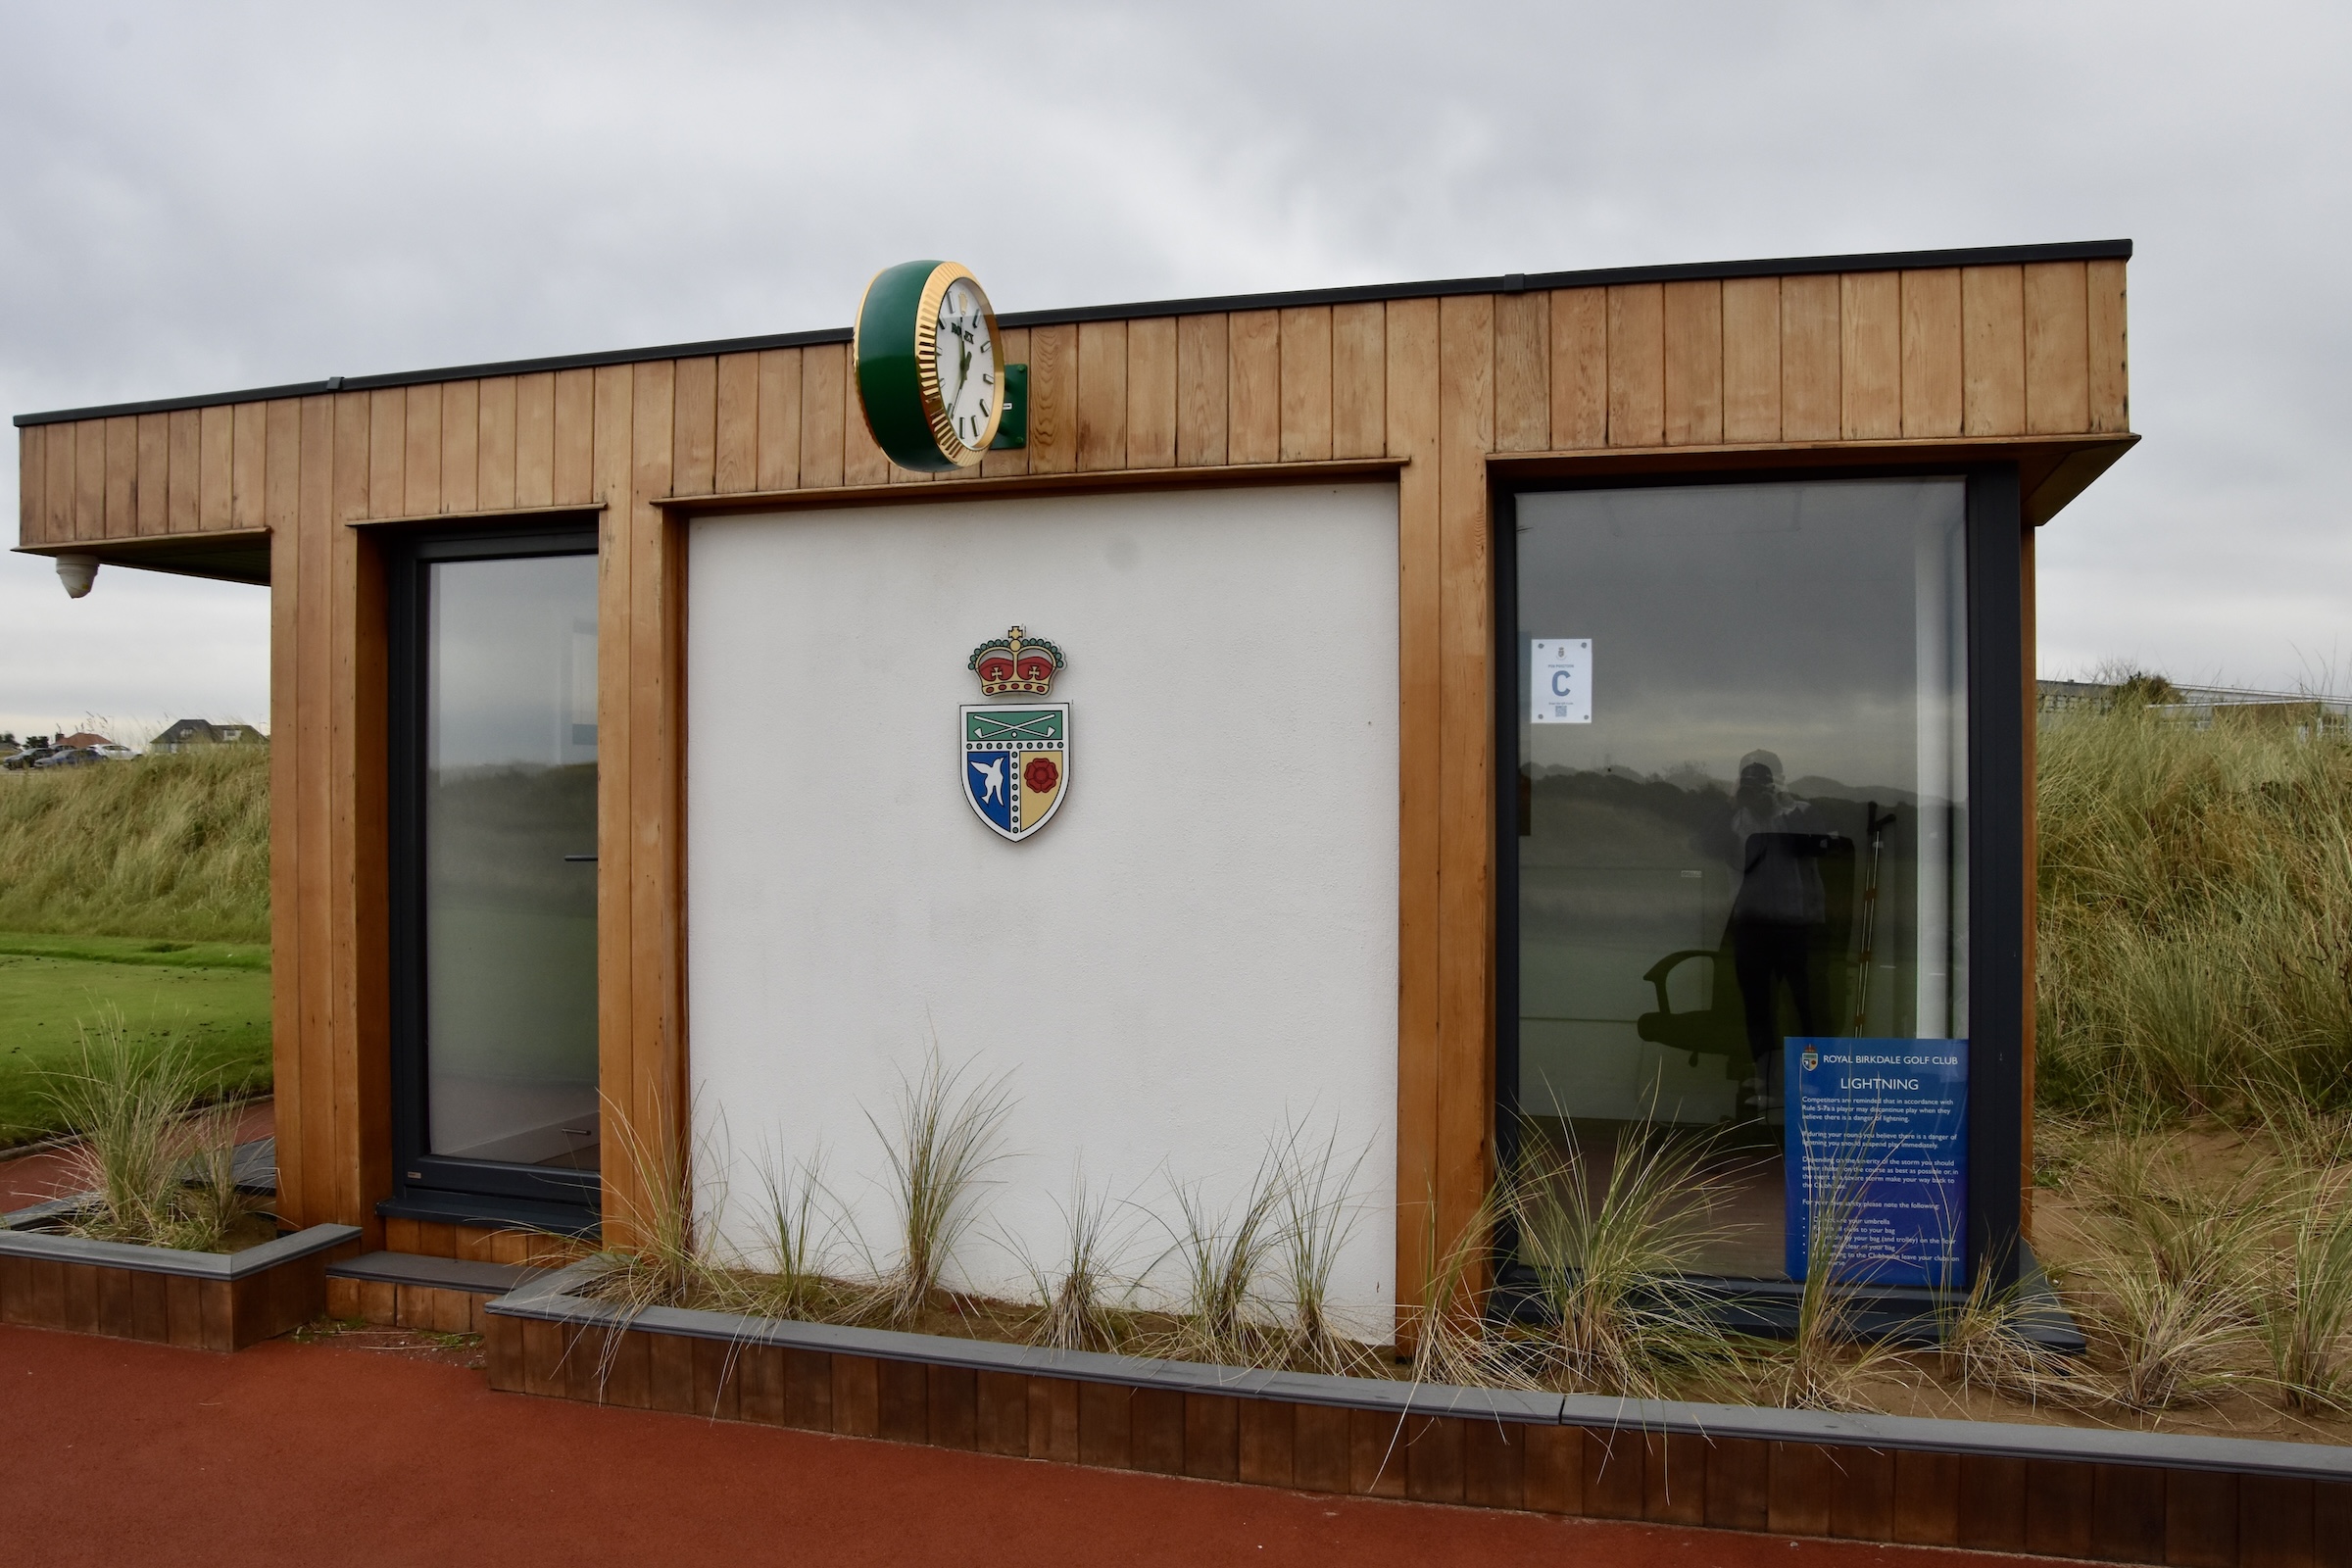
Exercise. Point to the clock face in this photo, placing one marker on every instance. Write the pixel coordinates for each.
(966, 361)
(930, 371)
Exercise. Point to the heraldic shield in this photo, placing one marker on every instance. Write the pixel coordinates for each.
(1016, 764)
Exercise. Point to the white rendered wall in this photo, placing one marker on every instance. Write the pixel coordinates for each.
(1197, 952)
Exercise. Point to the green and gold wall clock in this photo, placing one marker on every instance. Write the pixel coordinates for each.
(931, 371)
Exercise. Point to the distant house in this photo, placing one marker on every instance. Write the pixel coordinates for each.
(189, 733)
(84, 738)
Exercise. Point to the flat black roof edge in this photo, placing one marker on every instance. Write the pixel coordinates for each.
(2095, 250)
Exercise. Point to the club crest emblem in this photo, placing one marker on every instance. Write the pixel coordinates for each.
(1016, 756)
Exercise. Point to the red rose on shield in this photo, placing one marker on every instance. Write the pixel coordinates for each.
(1041, 776)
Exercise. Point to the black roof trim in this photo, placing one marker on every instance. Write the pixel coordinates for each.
(1508, 284)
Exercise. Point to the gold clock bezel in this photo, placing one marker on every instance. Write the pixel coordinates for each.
(926, 365)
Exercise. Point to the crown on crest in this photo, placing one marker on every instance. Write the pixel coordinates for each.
(1015, 663)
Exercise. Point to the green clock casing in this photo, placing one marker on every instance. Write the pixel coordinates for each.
(929, 364)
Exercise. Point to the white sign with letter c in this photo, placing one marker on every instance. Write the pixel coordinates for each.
(1560, 680)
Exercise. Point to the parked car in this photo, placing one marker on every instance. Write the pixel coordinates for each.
(116, 752)
(68, 756)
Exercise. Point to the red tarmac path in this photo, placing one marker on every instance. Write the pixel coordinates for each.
(121, 1453)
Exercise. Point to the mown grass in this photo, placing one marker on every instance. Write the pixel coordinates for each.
(140, 888)
(209, 1001)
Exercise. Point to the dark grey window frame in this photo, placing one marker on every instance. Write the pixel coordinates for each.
(1996, 844)
(425, 1184)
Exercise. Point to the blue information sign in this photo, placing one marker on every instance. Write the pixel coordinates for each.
(1878, 1150)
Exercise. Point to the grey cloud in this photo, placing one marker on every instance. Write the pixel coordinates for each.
(197, 198)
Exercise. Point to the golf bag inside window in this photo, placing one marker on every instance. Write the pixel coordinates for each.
(1741, 881)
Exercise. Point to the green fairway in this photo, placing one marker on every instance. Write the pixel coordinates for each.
(215, 995)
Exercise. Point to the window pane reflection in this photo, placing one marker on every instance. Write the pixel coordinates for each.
(509, 870)
(1758, 831)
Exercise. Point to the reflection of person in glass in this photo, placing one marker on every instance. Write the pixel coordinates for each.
(1777, 912)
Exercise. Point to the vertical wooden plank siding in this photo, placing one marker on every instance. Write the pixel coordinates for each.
(120, 508)
(187, 452)
(1931, 352)
(33, 484)
(1010, 459)
(1358, 405)
(84, 507)
(2057, 348)
(737, 462)
(1579, 369)
(281, 475)
(1151, 393)
(779, 420)
(657, 664)
(371, 434)
(216, 439)
(461, 446)
(1203, 387)
(290, 753)
(362, 954)
(861, 458)
(613, 455)
(57, 492)
(695, 455)
(1992, 350)
(824, 368)
(32, 474)
(1103, 395)
(1871, 360)
(306, 1143)
(1521, 371)
(1637, 366)
(1752, 359)
(382, 487)
(494, 446)
(1810, 394)
(1693, 321)
(1411, 334)
(571, 480)
(421, 467)
(536, 440)
(2108, 377)
(1306, 384)
(249, 449)
(1053, 398)
(1466, 780)
(155, 472)
(1255, 404)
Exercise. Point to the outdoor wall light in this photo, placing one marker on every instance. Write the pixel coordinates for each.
(76, 572)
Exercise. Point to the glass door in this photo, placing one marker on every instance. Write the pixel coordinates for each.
(1740, 871)
(495, 851)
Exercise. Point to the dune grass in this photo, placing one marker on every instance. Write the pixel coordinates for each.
(172, 847)
(2195, 928)
(161, 1167)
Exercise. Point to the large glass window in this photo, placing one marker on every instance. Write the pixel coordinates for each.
(1742, 733)
(509, 879)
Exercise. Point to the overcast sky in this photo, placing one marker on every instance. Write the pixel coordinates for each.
(196, 198)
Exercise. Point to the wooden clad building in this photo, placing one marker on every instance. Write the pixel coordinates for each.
(2005, 369)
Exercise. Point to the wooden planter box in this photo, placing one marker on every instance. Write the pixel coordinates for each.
(2063, 1491)
(203, 1300)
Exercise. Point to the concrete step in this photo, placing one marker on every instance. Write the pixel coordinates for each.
(406, 1290)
